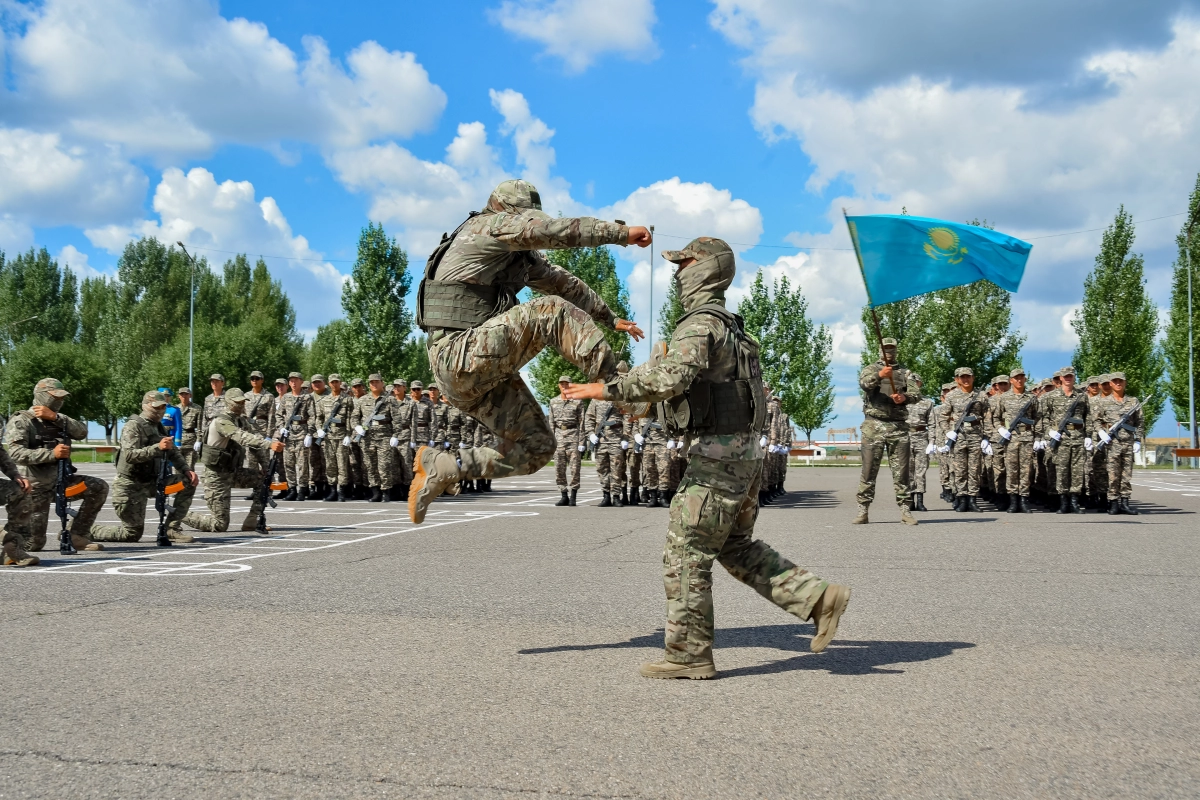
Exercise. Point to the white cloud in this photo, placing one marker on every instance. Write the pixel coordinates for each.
(580, 31)
(15, 235)
(1047, 326)
(71, 258)
(681, 211)
(216, 220)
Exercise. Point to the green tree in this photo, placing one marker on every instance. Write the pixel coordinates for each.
(596, 267)
(1175, 344)
(669, 314)
(38, 299)
(1117, 323)
(810, 397)
(78, 367)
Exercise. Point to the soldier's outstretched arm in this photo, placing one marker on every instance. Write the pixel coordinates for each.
(653, 382)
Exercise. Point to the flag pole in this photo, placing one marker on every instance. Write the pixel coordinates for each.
(870, 304)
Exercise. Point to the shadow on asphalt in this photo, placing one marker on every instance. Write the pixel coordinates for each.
(817, 498)
(841, 658)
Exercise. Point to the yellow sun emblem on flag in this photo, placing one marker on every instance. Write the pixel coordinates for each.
(943, 244)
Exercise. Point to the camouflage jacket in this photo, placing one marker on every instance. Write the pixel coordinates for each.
(469, 426)
(213, 405)
(422, 423)
(1057, 403)
(323, 406)
(877, 392)
(991, 418)
(566, 418)
(959, 402)
(8, 466)
(1007, 406)
(651, 428)
(189, 420)
(138, 458)
(376, 415)
(259, 408)
(1110, 414)
(228, 426)
(296, 414)
(454, 424)
(920, 415)
(31, 441)
(403, 429)
(606, 421)
(702, 347)
(439, 410)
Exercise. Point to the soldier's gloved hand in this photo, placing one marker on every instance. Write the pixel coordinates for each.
(1104, 437)
(582, 448)
(944, 448)
(762, 442)
(282, 433)
(986, 447)
(320, 433)
(1038, 444)
(930, 449)
(1056, 436)
(346, 442)
(412, 445)
(1005, 433)
(593, 438)
(196, 446)
(952, 436)
(670, 444)
(637, 437)
(358, 430)
(1137, 447)
(463, 445)
(624, 445)
(394, 441)
(446, 445)
(1087, 445)
(431, 442)
(308, 440)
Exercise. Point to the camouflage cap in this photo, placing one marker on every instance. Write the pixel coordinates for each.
(698, 248)
(416, 385)
(295, 375)
(889, 342)
(1105, 378)
(318, 377)
(1067, 371)
(155, 399)
(432, 386)
(256, 374)
(51, 385)
(216, 376)
(1093, 379)
(948, 386)
(281, 381)
(356, 382)
(914, 376)
(517, 196)
(333, 376)
(375, 376)
(399, 382)
(235, 395)
(1116, 376)
(1018, 371)
(1057, 373)
(183, 390)
(564, 378)
(961, 371)
(305, 384)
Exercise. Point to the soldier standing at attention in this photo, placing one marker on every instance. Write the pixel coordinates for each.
(358, 465)
(1097, 478)
(1121, 445)
(633, 459)
(566, 420)
(606, 431)
(36, 439)
(655, 459)
(1066, 425)
(886, 395)
(332, 410)
(422, 422)
(226, 466)
(764, 441)
(965, 438)
(469, 427)
(1017, 422)
(373, 421)
(404, 450)
(941, 420)
(190, 419)
(480, 336)
(316, 453)
(144, 443)
(920, 419)
(438, 426)
(712, 517)
(998, 444)
(274, 423)
(214, 402)
(296, 419)
(259, 405)
(11, 491)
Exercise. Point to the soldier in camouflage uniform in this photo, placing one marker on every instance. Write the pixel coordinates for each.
(653, 439)
(1119, 442)
(297, 419)
(608, 433)
(259, 406)
(920, 419)
(36, 439)
(566, 420)
(965, 438)
(712, 518)
(226, 467)
(315, 453)
(1016, 424)
(404, 451)
(633, 460)
(941, 419)
(1097, 477)
(1067, 425)
(374, 423)
(480, 336)
(469, 426)
(886, 396)
(274, 423)
(484, 438)
(11, 491)
(438, 409)
(144, 443)
(764, 441)
(214, 403)
(999, 445)
(191, 417)
(333, 410)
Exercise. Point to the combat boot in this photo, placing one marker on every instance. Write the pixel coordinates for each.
(332, 495)
(1001, 501)
(376, 495)
(605, 501)
(625, 497)
(303, 495)
(652, 501)
(82, 543)
(906, 516)
(635, 497)
(861, 519)
(919, 502)
(826, 614)
(1014, 504)
(282, 494)
(487, 484)
(175, 535)
(1026, 506)
(385, 494)
(291, 495)
(1075, 509)
(618, 499)
(1125, 509)
(565, 500)
(960, 503)
(669, 669)
(15, 555)
(434, 472)
(573, 493)
(1114, 507)
(1064, 504)
(971, 505)
(343, 493)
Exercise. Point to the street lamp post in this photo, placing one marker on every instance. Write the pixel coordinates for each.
(191, 312)
(1187, 251)
(650, 337)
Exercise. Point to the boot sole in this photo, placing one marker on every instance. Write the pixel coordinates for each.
(823, 637)
(700, 672)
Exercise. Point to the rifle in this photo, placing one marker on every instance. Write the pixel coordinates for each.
(374, 413)
(269, 486)
(1021, 419)
(163, 490)
(64, 492)
(1066, 420)
(966, 417)
(333, 412)
(1123, 422)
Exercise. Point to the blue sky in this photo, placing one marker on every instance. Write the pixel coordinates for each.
(280, 129)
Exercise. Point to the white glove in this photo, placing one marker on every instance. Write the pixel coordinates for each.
(1005, 433)
(931, 449)
(394, 441)
(762, 442)
(582, 448)
(346, 442)
(944, 449)
(282, 433)
(446, 445)
(624, 445)
(593, 438)
(1104, 437)
(670, 444)
(320, 433)
(1038, 444)
(637, 437)
(1087, 445)
(1056, 436)
(986, 447)
(196, 446)
(308, 440)
(463, 445)
(952, 436)
(358, 429)
(1137, 447)
(431, 442)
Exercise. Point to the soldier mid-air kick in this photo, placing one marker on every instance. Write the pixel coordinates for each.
(711, 382)
(480, 335)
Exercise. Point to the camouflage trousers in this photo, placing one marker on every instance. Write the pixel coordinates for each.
(337, 459)
(1019, 463)
(316, 462)
(379, 463)
(998, 466)
(10, 492)
(403, 460)
(1119, 461)
(29, 514)
(677, 464)
(358, 464)
(712, 519)
(479, 370)
(633, 468)
(567, 457)
(656, 466)
(610, 466)
(295, 461)
(968, 464)
(130, 499)
(187, 449)
(879, 437)
(218, 489)
(1069, 463)
(918, 460)
(1098, 478)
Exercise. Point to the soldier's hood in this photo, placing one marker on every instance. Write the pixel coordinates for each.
(705, 281)
(44, 398)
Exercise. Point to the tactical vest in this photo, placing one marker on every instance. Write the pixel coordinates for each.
(148, 433)
(453, 305)
(39, 435)
(736, 404)
(222, 453)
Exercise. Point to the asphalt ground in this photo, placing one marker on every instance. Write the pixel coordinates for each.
(492, 652)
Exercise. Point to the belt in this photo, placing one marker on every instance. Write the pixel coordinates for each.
(919, 428)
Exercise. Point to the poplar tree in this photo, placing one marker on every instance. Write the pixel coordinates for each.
(1117, 323)
(1175, 344)
(378, 322)
(671, 311)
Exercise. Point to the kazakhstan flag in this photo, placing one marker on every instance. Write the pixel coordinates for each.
(904, 256)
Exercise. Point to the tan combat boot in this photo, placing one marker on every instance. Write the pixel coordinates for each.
(177, 535)
(434, 472)
(861, 519)
(906, 516)
(82, 543)
(669, 669)
(826, 614)
(15, 555)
